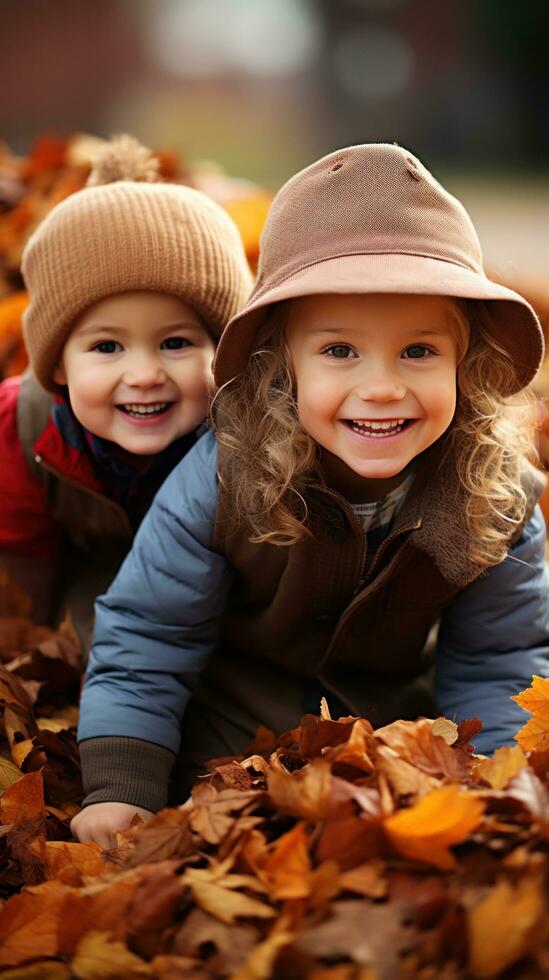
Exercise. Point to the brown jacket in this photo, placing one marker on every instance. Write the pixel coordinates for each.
(306, 617)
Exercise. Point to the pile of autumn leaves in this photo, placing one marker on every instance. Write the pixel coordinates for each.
(333, 853)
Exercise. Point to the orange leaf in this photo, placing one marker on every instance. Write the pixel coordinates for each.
(24, 800)
(534, 736)
(502, 927)
(287, 870)
(535, 698)
(357, 750)
(425, 831)
(29, 924)
(505, 764)
(68, 862)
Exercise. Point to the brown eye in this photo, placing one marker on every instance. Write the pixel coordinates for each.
(175, 343)
(107, 347)
(340, 351)
(417, 351)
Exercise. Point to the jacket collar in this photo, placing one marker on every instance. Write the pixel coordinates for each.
(438, 501)
(64, 451)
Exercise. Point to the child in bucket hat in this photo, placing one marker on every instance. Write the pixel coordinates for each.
(367, 479)
(130, 283)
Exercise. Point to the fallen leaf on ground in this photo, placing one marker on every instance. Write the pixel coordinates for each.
(426, 831)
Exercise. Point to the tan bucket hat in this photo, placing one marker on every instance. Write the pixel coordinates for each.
(372, 219)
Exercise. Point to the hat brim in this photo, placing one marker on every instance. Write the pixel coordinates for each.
(517, 328)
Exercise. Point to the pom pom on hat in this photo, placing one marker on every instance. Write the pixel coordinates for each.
(123, 158)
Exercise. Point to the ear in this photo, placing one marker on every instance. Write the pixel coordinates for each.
(59, 374)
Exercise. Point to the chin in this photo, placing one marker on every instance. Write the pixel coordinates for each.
(142, 448)
(379, 470)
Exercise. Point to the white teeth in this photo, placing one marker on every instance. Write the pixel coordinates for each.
(146, 409)
(378, 429)
(391, 424)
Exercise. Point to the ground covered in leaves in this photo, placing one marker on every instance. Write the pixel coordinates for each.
(334, 852)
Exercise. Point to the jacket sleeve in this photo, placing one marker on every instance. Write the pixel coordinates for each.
(28, 534)
(158, 623)
(493, 637)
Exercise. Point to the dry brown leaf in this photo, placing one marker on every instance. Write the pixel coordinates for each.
(415, 742)
(261, 961)
(532, 793)
(366, 879)
(369, 935)
(305, 793)
(232, 943)
(325, 885)
(502, 926)
(18, 716)
(404, 778)
(226, 904)
(165, 836)
(43, 970)
(98, 957)
(425, 832)
(498, 770)
(314, 735)
(213, 814)
(350, 839)
(448, 730)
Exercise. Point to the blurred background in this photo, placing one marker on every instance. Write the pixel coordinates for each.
(263, 87)
(258, 89)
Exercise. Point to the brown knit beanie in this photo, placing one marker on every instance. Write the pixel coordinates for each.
(123, 232)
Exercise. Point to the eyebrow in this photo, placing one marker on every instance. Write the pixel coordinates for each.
(430, 332)
(179, 325)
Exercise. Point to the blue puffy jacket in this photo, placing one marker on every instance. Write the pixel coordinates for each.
(158, 624)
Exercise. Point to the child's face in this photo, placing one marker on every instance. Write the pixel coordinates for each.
(375, 376)
(138, 369)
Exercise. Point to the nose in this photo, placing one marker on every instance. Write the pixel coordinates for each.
(379, 383)
(144, 370)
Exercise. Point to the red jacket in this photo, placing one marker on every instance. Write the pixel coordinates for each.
(27, 526)
(63, 532)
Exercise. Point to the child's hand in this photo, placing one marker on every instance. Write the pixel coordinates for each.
(99, 822)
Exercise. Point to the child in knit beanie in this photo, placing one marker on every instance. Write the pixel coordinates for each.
(131, 282)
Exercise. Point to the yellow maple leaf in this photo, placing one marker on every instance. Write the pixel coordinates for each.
(424, 832)
(534, 736)
(535, 698)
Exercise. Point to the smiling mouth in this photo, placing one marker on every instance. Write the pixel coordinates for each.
(139, 410)
(380, 429)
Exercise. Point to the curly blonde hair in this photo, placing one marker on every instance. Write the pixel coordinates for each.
(270, 461)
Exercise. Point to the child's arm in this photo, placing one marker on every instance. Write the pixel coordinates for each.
(493, 637)
(154, 631)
